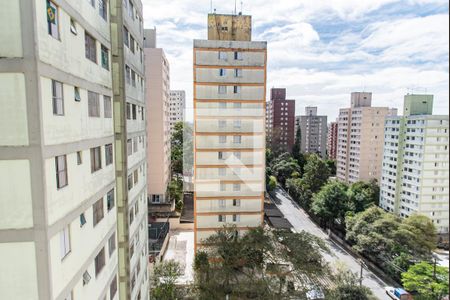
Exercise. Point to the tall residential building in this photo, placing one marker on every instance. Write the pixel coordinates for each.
(229, 105)
(127, 42)
(280, 121)
(415, 174)
(61, 216)
(177, 105)
(332, 140)
(313, 132)
(158, 127)
(360, 139)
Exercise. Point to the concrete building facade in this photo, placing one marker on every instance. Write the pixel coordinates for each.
(280, 121)
(58, 155)
(158, 129)
(177, 105)
(332, 140)
(229, 129)
(314, 130)
(360, 139)
(415, 174)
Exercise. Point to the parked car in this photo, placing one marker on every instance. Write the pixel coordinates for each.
(398, 293)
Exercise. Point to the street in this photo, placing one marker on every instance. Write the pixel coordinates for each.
(301, 221)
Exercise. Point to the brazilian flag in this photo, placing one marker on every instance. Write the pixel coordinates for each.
(51, 13)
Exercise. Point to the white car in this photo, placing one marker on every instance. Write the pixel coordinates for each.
(390, 291)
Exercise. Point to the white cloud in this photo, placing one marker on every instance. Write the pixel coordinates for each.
(386, 57)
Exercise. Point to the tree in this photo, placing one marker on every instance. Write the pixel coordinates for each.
(316, 173)
(300, 192)
(255, 265)
(331, 203)
(362, 195)
(272, 183)
(175, 192)
(430, 283)
(348, 288)
(418, 234)
(164, 278)
(296, 149)
(331, 164)
(283, 167)
(177, 149)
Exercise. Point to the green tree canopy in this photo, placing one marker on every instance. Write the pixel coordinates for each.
(316, 173)
(165, 275)
(429, 283)
(362, 195)
(331, 203)
(300, 192)
(347, 287)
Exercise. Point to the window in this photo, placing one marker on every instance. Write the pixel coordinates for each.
(222, 203)
(107, 106)
(97, 210)
(52, 20)
(92, 2)
(129, 147)
(133, 111)
(237, 72)
(79, 157)
(96, 159)
(222, 55)
(222, 218)
(237, 89)
(237, 105)
(77, 94)
(132, 44)
(237, 139)
(222, 72)
(90, 47)
(130, 181)
(112, 244)
(108, 154)
(236, 218)
(237, 155)
(110, 200)
(131, 216)
(222, 139)
(236, 187)
(64, 242)
(222, 123)
(126, 37)
(82, 219)
(136, 178)
(105, 57)
(237, 123)
(86, 277)
(73, 27)
(103, 9)
(57, 98)
(133, 78)
(128, 111)
(222, 89)
(135, 145)
(93, 104)
(220, 155)
(238, 55)
(99, 261)
(61, 171)
(236, 202)
(113, 288)
(223, 187)
(131, 10)
(222, 105)
(222, 171)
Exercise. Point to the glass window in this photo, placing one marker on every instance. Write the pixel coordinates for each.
(222, 139)
(222, 89)
(237, 72)
(52, 19)
(222, 123)
(96, 159)
(110, 200)
(79, 158)
(73, 26)
(220, 155)
(238, 55)
(61, 171)
(57, 98)
(97, 210)
(107, 106)
(112, 244)
(222, 55)
(99, 261)
(64, 242)
(105, 57)
(113, 288)
(132, 44)
(77, 94)
(237, 123)
(222, 72)
(126, 37)
(90, 47)
(93, 104)
(82, 219)
(222, 218)
(237, 139)
(237, 89)
(108, 154)
(103, 9)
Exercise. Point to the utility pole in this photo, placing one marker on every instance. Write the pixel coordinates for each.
(361, 272)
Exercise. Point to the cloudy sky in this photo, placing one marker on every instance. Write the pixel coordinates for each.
(321, 50)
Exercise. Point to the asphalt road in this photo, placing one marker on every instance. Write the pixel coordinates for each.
(301, 221)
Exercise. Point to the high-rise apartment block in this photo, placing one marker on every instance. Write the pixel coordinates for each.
(177, 105)
(280, 121)
(158, 130)
(332, 140)
(415, 174)
(313, 132)
(229, 105)
(64, 195)
(360, 139)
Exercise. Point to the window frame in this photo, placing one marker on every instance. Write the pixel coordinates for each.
(64, 242)
(90, 47)
(98, 212)
(109, 154)
(62, 170)
(99, 262)
(57, 100)
(93, 104)
(107, 107)
(104, 55)
(96, 159)
(53, 30)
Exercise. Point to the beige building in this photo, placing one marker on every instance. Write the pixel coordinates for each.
(158, 127)
(229, 102)
(360, 139)
(64, 227)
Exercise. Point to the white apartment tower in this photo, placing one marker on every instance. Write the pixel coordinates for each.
(314, 132)
(360, 139)
(61, 198)
(415, 175)
(229, 150)
(177, 105)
